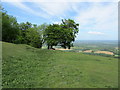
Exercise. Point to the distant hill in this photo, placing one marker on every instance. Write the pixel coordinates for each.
(97, 41)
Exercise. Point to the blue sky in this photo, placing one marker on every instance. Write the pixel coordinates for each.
(97, 20)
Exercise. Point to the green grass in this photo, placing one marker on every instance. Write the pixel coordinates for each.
(28, 67)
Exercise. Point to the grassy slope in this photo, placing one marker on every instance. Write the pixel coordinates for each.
(24, 66)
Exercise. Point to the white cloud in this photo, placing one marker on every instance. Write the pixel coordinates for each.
(98, 17)
(53, 8)
(58, 8)
(44, 9)
(25, 8)
(94, 32)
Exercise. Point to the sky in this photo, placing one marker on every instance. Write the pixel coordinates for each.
(98, 19)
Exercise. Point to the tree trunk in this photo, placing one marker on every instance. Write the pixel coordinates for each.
(51, 47)
(48, 47)
(64, 47)
(69, 47)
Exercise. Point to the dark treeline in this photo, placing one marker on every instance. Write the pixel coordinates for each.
(36, 35)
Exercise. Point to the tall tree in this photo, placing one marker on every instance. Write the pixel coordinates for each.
(9, 28)
(33, 38)
(34, 35)
(69, 29)
(51, 35)
(21, 38)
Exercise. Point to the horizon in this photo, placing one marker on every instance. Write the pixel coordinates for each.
(97, 40)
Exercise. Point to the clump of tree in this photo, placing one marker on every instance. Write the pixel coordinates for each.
(63, 34)
(23, 33)
(36, 35)
(31, 34)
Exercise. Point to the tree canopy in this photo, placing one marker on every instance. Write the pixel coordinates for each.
(63, 34)
(9, 28)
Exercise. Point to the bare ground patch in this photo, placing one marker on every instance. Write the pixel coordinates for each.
(62, 49)
(105, 52)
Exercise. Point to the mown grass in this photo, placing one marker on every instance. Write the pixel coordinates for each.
(28, 67)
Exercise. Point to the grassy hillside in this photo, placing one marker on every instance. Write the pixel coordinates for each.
(25, 66)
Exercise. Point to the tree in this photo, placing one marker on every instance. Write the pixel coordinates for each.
(41, 29)
(23, 27)
(33, 38)
(10, 28)
(51, 35)
(69, 29)
(21, 38)
(34, 35)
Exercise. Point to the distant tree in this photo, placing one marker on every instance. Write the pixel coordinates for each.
(41, 29)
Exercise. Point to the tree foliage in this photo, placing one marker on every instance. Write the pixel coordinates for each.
(33, 38)
(63, 34)
(23, 33)
(69, 31)
(52, 35)
(9, 28)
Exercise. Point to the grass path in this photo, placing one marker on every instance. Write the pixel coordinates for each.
(24, 66)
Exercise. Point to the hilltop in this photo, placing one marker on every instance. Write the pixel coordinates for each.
(28, 67)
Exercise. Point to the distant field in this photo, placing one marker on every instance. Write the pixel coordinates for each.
(28, 67)
(109, 47)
